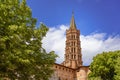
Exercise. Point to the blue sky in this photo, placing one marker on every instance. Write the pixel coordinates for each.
(90, 15)
(98, 21)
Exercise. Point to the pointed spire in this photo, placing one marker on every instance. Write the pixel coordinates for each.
(72, 24)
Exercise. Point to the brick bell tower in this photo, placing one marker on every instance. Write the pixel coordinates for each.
(73, 56)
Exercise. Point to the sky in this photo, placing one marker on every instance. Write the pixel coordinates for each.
(97, 20)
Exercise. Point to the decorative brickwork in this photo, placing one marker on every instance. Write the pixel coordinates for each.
(73, 56)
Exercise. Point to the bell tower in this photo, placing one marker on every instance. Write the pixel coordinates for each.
(73, 56)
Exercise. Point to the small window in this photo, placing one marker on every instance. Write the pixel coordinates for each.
(56, 66)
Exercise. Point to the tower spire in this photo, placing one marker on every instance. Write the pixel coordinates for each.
(72, 23)
(73, 56)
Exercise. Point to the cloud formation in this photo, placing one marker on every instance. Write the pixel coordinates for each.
(91, 44)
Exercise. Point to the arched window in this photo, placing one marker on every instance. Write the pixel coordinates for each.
(74, 43)
(72, 56)
(74, 50)
(75, 57)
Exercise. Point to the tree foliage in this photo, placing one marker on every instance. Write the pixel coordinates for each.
(117, 69)
(105, 66)
(21, 54)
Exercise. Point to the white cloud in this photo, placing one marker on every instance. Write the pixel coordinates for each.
(91, 44)
(96, 43)
(55, 41)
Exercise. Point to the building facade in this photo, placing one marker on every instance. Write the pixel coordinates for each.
(71, 68)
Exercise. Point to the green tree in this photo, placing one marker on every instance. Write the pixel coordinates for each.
(21, 54)
(117, 69)
(103, 65)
